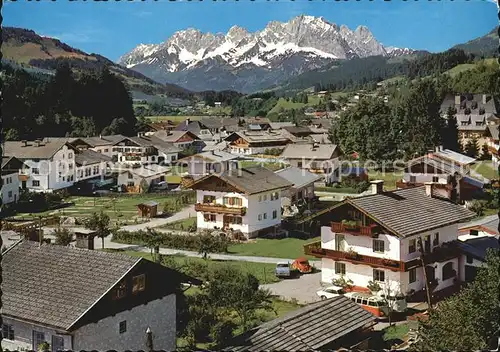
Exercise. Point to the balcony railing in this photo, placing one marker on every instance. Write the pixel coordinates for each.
(357, 230)
(315, 249)
(220, 209)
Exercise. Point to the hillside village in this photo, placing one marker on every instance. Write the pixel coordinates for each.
(359, 213)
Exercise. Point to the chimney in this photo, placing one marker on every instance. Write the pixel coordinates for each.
(458, 99)
(37, 142)
(485, 98)
(441, 148)
(188, 120)
(24, 142)
(100, 136)
(377, 186)
(429, 186)
(140, 134)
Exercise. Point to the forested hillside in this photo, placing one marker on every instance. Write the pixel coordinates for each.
(37, 106)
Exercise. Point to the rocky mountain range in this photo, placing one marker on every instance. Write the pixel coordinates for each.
(247, 62)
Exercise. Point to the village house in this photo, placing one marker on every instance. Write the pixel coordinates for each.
(474, 253)
(91, 169)
(100, 144)
(473, 113)
(379, 238)
(246, 201)
(79, 299)
(140, 179)
(317, 158)
(10, 179)
(209, 129)
(258, 142)
(302, 191)
(210, 161)
(49, 164)
(332, 324)
(484, 227)
(449, 170)
(180, 139)
(494, 144)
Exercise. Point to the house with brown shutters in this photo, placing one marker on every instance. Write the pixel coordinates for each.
(391, 238)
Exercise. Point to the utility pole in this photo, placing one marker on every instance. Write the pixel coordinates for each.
(149, 340)
(422, 261)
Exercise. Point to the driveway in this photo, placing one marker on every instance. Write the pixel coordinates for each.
(303, 289)
(184, 213)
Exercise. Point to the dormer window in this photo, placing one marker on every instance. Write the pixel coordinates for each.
(120, 291)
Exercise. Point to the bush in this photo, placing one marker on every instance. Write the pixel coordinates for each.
(218, 244)
(478, 206)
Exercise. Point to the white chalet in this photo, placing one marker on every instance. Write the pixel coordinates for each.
(246, 200)
(378, 238)
(10, 179)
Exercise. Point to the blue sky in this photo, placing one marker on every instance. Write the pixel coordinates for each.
(114, 28)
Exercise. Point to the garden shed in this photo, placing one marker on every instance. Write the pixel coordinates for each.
(148, 209)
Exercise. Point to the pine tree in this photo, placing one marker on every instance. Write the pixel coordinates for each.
(450, 132)
(472, 147)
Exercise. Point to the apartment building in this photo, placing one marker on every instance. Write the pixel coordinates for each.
(247, 200)
(390, 238)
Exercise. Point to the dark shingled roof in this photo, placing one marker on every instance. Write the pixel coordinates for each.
(410, 211)
(251, 180)
(54, 285)
(86, 157)
(307, 328)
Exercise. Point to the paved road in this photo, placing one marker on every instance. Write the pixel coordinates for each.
(185, 213)
(303, 288)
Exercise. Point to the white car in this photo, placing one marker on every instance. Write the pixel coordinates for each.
(330, 291)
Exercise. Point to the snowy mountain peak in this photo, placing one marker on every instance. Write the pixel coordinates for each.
(301, 44)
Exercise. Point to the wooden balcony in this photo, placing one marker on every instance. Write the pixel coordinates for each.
(356, 230)
(220, 209)
(315, 250)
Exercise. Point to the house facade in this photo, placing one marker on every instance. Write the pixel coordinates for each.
(246, 201)
(390, 238)
(321, 159)
(133, 179)
(105, 300)
(257, 142)
(473, 113)
(49, 165)
(494, 144)
(10, 179)
(210, 161)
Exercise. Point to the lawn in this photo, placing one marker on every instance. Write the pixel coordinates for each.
(181, 225)
(312, 100)
(336, 189)
(122, 210)
(485, 169)
(264, 272)
(271, 166)
(290, 248)
(389, 178)
(395, 332)
(174, 118)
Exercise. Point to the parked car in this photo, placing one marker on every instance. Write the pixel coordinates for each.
(285, 270)
(302, 265)
(372, 303)
(163, 185)
(330, 291)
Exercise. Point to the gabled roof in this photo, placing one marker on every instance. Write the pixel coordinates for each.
(261, 136)
(45, 150)
(248, 180)
(436, 163)
(306, 329)
(103, 140)
(156, 142)
(309, 151)
(6, 160)
(454, 156)
(298, 177)
(173, 136)
(212, 156)
(55, 285)
(478, 247)
(87, 157)
(410, 211)
(148, 170)
(488, 224)
(278, 125)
